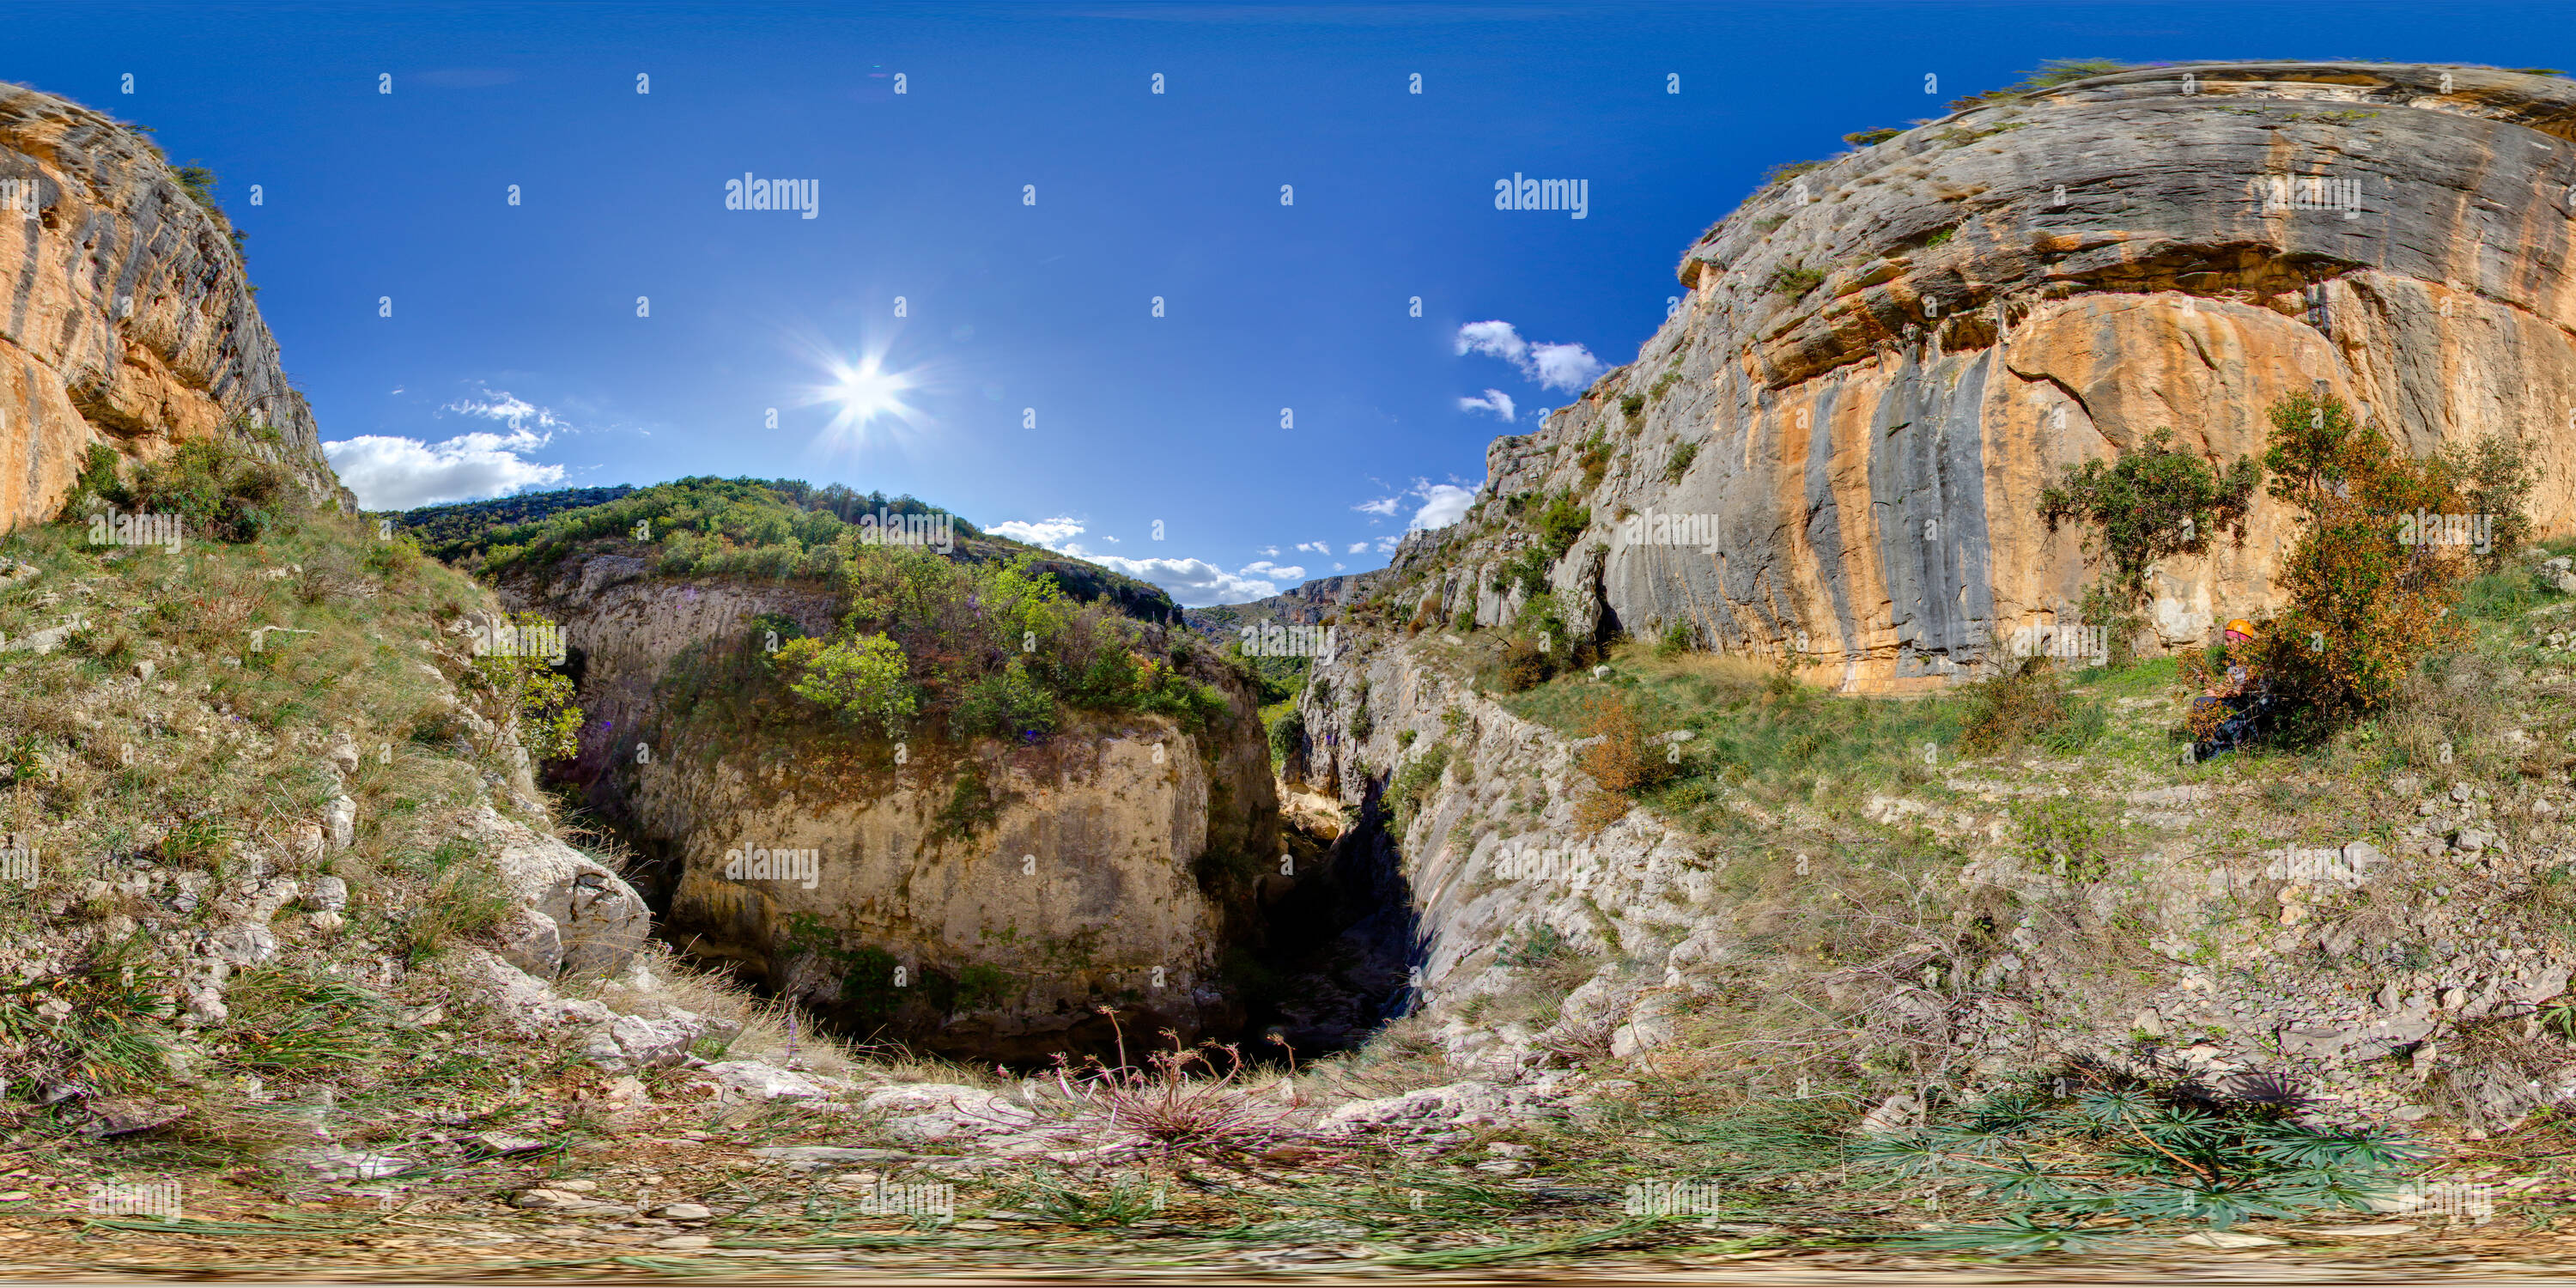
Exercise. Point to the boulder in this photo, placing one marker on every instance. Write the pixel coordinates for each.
(598, 921)
(752, 1080)
(632, 1042)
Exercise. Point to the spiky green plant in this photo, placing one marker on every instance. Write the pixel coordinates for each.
(2167, 1150)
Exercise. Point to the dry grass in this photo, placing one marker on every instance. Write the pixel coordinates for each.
(1186, 1102)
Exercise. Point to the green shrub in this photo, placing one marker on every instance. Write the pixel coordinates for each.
(1680, 463)
(1008, 703)
(1287, 737)
(1527, 570)
(2061, 836)
(1675, 640)
(1867, 138)
(2362, 609)
(972, 806)
(2154, 503)
(982, 985)
(1794, 280)
(1560, 523)
(2495, 478)
(1414, 783)
(220, 491)
(2027, 702)
(1595, 460)
(532, 693)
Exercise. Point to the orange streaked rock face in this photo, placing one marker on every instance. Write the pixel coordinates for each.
(125, 317)
(1881, 363)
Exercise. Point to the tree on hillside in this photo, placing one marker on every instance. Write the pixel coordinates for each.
(2152, 503)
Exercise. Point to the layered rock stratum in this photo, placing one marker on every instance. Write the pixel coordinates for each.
(1043, 878)
(125, 315)
(1878, 364)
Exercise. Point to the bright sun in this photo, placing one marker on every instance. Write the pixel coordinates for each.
(866, 399)
(868, 391)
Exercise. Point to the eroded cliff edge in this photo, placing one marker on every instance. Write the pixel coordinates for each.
(125, 315)
(1014, 885)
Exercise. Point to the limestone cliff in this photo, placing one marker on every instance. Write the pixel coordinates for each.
(1014, 885)
(1879, 363)
(125, 316)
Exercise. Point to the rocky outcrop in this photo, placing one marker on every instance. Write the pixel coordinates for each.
(981, 899)
(125, 316)
(1879, 363)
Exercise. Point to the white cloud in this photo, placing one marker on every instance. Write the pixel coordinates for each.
(1337, 567)
(1357, 547)
(1318, 547)
(1553, 366)
(1196, 583)
(1054, 534)
(1386, 545)
(509, 409)
(1569, 367)
(1495, 401)
(1494, 340)
(1110, 539)
(390, 473)
(1269, 551)
(1442, 504)
(1383, 506)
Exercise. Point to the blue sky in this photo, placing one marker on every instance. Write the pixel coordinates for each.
(1045, 397)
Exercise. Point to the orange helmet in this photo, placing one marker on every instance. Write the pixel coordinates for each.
(2241, 627)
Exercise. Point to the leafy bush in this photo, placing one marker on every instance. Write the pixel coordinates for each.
(2027, 702)
(1867, 138)
(2495, 478)
(1677, 637)
(1287, 737)
(537, 696)
(1594, 457)
(1528, 571)
(1412, 784)
(1560, 523)
(2153, 503)
(982, 649)
(1009, 703)
(2363, 609)
(219, 490)
(1680, 463)
(865, 679)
